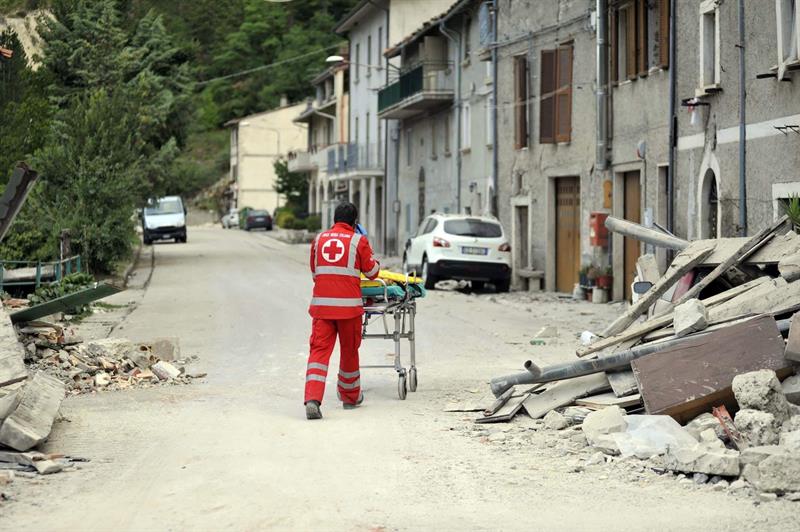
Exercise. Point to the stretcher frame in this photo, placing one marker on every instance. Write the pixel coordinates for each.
(403, 312)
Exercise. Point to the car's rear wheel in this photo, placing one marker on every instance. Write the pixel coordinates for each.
(502, 285)
(430, 279)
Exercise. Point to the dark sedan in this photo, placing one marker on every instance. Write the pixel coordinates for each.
(258, 220)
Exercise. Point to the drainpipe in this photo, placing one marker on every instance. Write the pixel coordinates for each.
(495, 148)
(456, 64)
(673, 120)
(602, 86)
(742, 128)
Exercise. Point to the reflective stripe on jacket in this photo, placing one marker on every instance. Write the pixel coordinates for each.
(338, 256)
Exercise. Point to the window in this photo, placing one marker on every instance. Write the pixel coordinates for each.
(355, 130)
(786, 12)
(379, 51)
(467, 35)
(473, 227)
(369, 55)
(429, 226)
(409, 148)
(447, 134)
(489, 133)
(555, 112)
(633, 42)
(709, 46)
(357, 63)
(466, 130)
(521, 102)
(433, 139)
(368, 147)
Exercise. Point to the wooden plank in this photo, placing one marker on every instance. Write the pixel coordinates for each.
(689, 379)
(664, 320)
(775, 297)
(564, 393)
(609, 399)
(772, 252)
(684, 262)
(622, 383)
(734, 259)
(507, 412)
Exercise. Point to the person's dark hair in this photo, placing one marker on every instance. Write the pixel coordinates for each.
(346, 212)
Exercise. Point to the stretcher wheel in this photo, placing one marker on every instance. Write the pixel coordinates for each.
(412, 379)
(402, 390)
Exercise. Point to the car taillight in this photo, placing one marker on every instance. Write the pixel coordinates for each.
(505, 247)
(440, 242)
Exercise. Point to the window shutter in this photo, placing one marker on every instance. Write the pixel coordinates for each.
(564, 95)
(613, 50)
(630, 42)
(641, 31)
(663, 33)
(520, 101)
(547, 111)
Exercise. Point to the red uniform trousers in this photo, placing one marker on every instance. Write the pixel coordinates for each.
(323, 338)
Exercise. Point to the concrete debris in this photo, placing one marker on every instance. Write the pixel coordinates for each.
(790, 440)
(758, 428)
(555, 421)
(548, 331)
(789, 267)
(599, 426)
(690, 317)
(792, 424)
(111, 348)
(703, 422)
(791, 389)
(779, 473)
(703, 458)
(165, 371)
(35, 462)
(31, 422)
(761, 390)
(647, 436)
(167, 349)
(756, 455)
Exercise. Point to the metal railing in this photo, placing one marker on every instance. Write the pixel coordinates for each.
(354, 157)
(34, 273)
(429, 76)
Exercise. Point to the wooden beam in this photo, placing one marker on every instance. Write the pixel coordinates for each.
(564, 393)
(685, 261)
(751, 245)
(645, 234)
(664, 320)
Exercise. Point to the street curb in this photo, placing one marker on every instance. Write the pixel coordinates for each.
(137, 253)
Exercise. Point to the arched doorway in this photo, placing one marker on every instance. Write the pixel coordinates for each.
(421, 196)
(709, 206)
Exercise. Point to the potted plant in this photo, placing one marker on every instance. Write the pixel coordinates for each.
(592, 274)
(792, 209)
(606, 279)
(583, 278)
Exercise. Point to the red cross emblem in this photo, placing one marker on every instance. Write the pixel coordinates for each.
(333, 250)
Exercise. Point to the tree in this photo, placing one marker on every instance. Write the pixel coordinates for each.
(293, 185)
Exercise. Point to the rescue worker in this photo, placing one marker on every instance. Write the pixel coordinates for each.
(338, 257)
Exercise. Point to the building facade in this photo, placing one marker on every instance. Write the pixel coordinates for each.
(440, 99)
(257, 141)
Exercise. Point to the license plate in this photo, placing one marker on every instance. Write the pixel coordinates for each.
(466, 250)
(260, 219)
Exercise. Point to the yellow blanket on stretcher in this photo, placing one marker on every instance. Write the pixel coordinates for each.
(389, 277)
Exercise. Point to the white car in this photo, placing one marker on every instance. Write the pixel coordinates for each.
(461, 247)
(231, 219)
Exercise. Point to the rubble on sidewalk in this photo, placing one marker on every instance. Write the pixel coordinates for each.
(709, 337)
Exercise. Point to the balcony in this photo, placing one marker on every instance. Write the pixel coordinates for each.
(346, 161)
(419, 89)
(300, 161)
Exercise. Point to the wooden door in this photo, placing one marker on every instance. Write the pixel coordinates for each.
(568, 233)
(633, 213)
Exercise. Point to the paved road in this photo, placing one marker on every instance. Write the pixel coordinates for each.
(235, 452)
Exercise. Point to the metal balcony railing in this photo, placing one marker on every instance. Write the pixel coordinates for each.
(352, 157)
(429, 76)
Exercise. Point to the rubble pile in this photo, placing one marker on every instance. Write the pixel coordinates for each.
(108, 364)
(695, 377)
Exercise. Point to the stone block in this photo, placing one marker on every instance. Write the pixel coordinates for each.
(30, 424)
(779, 473)
(690, 317)
(12, 352)
(761, 390)
(791, 389)
(599, 426)
(759, 453)
(111, 348)
(759, 428)
(165, 371)
(789, 267)
(791, 440)
(168, 349)
(705, 421)
(703, 458)
(555, 421)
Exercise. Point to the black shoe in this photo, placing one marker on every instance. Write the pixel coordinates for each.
(350, 406)
(313, 411)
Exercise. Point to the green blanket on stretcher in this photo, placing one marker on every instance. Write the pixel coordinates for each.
(393, 291)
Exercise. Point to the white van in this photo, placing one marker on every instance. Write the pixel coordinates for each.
(164, 219)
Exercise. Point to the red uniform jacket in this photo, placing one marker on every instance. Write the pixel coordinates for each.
(338, 256)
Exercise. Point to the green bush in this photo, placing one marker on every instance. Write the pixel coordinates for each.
(314, 222)
(285, 219)
(299, 223)
(243, 216)
(68, 285)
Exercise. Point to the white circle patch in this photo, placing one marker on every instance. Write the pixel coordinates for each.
(333, 250)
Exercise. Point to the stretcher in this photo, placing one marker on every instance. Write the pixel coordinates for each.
(393, 296)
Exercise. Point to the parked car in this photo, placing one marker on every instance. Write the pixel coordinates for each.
(164, 219)
(231, 219)
(460, 247)
(256, 219)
